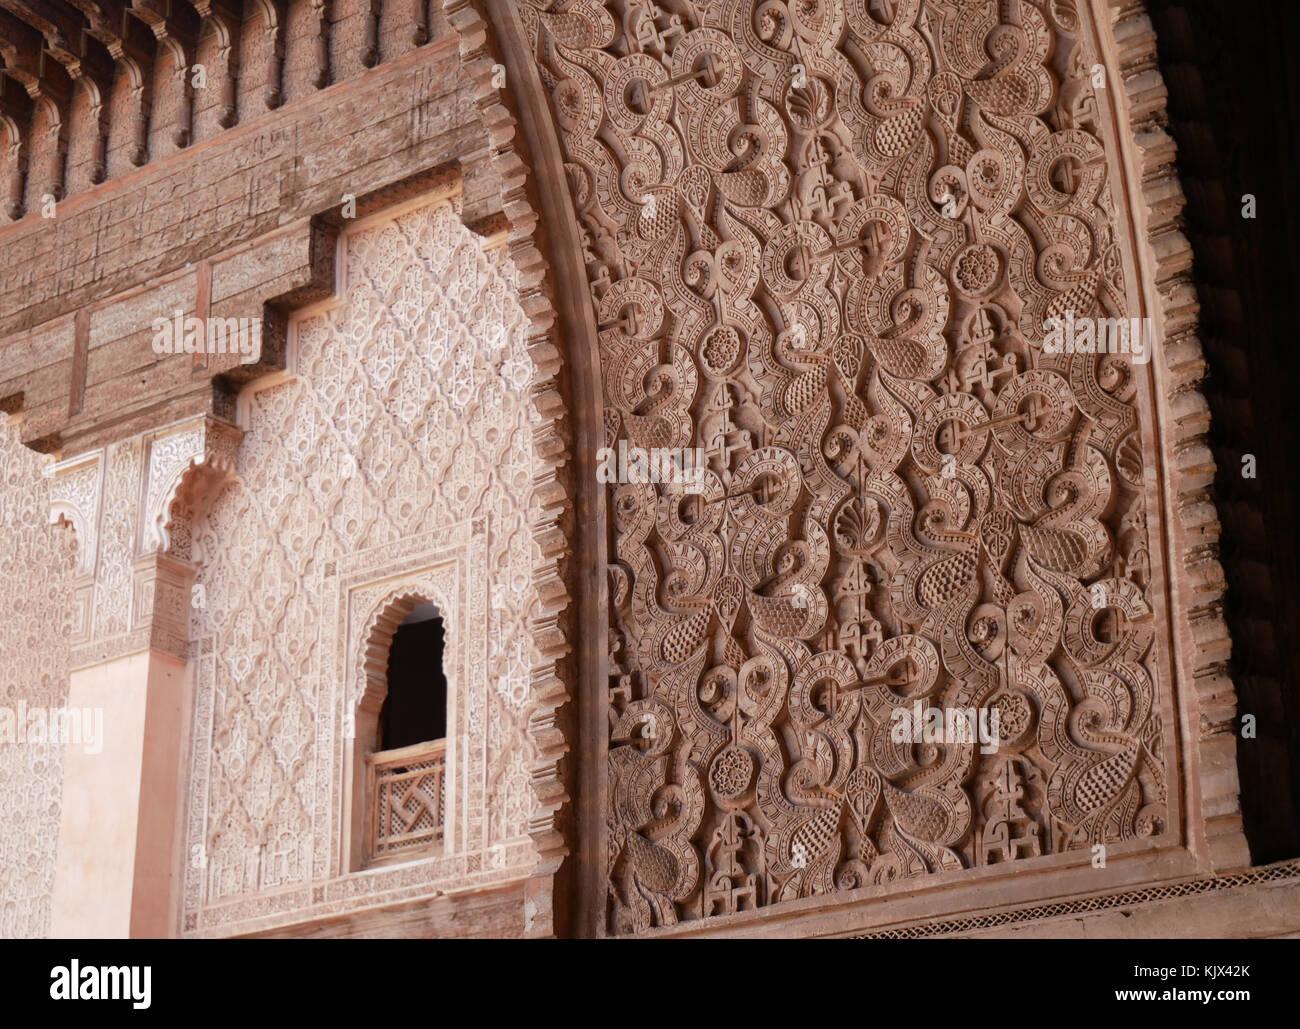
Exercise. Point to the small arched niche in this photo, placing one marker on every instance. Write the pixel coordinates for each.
(400, 762)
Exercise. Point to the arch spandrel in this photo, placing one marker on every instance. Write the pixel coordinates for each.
(36, 624)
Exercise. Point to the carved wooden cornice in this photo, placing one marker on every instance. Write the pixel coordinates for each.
(225, 19)
(15, 116)
(29, 49)
(175, 24)
(127, 40)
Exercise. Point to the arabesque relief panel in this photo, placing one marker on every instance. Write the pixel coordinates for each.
(860, 255)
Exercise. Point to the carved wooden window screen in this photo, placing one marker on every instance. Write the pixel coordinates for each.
(408, 790)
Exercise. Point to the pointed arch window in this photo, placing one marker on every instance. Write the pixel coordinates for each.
(401, 735)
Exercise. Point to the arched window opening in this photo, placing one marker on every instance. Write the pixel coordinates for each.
(399, 744)
(415, 707)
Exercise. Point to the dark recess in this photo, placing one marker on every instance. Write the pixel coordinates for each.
(415, 710)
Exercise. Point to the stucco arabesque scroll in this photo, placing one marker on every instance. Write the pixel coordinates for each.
(842, 231)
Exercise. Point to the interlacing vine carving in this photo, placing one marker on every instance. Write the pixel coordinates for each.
(824, 241)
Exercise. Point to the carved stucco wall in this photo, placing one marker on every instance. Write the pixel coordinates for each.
(395, 458)
(823, 240)
(968, 170)
(37, 566)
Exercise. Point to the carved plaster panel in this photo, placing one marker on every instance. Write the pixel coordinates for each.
(74, 498)
(394, 458)
(38, 565)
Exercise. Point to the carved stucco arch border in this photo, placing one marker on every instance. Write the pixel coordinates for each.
(1205, 689)
(566, 893)
(76, 509)
(1206, 705)
(186, 466)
